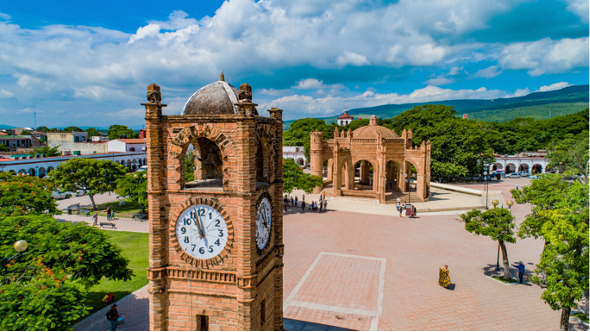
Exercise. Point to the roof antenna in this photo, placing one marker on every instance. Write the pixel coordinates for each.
(221, 78)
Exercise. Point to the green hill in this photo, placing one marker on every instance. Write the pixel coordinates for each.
(538, 105)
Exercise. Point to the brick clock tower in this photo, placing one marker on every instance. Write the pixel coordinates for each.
(215, 210)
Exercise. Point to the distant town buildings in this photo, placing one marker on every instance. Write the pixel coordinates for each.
(76, 143)
(296, 153)
(524, 161)
(126, 145)
(17, 142)
(345, 119)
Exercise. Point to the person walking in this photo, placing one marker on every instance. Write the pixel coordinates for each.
(285, 206)
(109, 213)
(296, 203)
(324, 194)
(444, 279)
(291, 201)
(113, 317)
(520, 268)
(303, 197)
(94, 219)
(302, 206)
(517, 186)
(321, 204)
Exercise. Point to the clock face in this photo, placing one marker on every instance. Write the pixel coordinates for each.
(201, 231)
(263, 223)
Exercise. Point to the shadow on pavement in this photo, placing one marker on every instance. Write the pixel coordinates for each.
(299, 325)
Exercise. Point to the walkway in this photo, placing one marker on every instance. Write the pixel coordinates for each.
(122, 224)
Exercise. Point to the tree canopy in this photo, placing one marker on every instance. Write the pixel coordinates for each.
(72, 128)
(90, 176)
(60, 259)
(42, 129)
(570, 156)
(135, 187)
(116, 131)
(298, 133)
(20, 195)
(48, 151)
(294, 178)
(92, 132)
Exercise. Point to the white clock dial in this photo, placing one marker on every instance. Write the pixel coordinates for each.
(201, 231)
(263, 223)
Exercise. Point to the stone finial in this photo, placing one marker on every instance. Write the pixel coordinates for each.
(405, 134)
(153, 93)
(221, 77)
(349, 133)
(342, 133)
(409, 133)
(373, 121)
(276, 113)
(336, 133)
(245, 92)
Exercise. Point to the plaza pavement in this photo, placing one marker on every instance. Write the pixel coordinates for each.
(122, 224)
(361, 271)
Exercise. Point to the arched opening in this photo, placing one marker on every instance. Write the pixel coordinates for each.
(13, 172)
(392, 174)
(300, 161)
(207, 164)
(537, 169)
(132, 149)
(366, 173)
(259, 164)
(523, 168)
(262, 160)
(49, 169)
(496, 167)
(32, 172)
(42, 172)
(510, 168)
(133, 164)
(22, 171)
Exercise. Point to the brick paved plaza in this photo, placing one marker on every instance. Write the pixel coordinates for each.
(381, 272)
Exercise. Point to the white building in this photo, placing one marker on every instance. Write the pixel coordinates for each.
(296, 153)
(344, 119)
(127, 145)
(523, 161)
(40, 166)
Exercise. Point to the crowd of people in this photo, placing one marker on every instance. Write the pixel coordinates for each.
(319, 206)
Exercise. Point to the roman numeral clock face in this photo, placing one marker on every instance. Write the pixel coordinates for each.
(201, 231)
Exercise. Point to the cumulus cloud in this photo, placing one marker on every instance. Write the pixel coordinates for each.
(6, 94)
(489, 72)
(351, 58)
(580, 8)
(554, 86)
(4, 16)
(274, 92)
(312, 83)
(440, 80)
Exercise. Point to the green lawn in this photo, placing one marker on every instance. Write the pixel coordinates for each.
(135, 248)
(581, 316)
(125, 211)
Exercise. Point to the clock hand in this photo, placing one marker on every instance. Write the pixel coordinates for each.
(201, 234)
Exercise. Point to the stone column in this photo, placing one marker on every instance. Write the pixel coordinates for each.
(337, 178)
(158, 240)
(315, 155)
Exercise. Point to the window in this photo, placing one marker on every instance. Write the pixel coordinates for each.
(262, 313)
(132, 149)
(202, 323)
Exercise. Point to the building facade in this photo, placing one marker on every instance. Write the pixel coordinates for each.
(77, 143)
(384, 162)
(227, 275)
(296, 153)
(527, 161)
(17, 142)
(126, 145)
(345, 119)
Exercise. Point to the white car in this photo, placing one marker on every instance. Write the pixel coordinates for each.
(533, 177)
(142, 169)
(524, 174)
(58, 195)
(513, 176)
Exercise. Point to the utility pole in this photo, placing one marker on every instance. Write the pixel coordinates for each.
(35, 120)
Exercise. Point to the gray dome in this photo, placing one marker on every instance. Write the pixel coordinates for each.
(214, 99)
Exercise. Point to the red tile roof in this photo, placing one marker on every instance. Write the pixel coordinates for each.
(345, 116)
(132, 140)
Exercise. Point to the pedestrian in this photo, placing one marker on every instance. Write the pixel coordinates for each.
(285, 206)
(296, 203)
(517, 186)
(399, 201)
(321, 205)
(520, 268)
(303, 197)
(444, 279)
(292, 201)
(94, 219)
(113, 317)
(390, 184)
(315, 206)
(325, 205)
(414, 211)
(302, 206)
(324, 194)
(109, 213)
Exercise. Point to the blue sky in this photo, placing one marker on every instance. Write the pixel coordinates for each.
(88, 63)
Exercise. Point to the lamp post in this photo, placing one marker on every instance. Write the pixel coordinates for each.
(485, 176)
(19, 246)
(409, 196)
(510, 203)
(495, 203)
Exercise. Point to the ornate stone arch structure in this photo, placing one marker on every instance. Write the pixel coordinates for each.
(389, 155)
(234, 288)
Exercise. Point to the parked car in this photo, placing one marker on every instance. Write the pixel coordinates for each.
(524, 174)
(533, 177)
(80, 193)
(143, 169)
(513, 176)
(60, 195)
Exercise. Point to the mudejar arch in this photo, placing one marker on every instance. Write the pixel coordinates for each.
(216, 242)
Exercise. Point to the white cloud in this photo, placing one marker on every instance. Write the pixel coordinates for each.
(554, 86)
(273, 92)
(312, 83)
(579, 7)
(546, 56)
(4, 16)
(440, 80)
(489, 72)
(6, 94)
(150, 30)
(351, 58)
(97, 92)
(520, 92)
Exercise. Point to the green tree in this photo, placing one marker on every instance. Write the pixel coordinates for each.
(20, 195)
(92, 132)
(496, 223)
(564, 262)
(570, 156)
(42, 129)
(3, 148)
(90, 176)
(72, 128)
(48, 151)
(115, 131)
(189, 167)
(298, 133)
(542, 194)
(135, 187)
(60, 259)
(294, 178)
(26, 132)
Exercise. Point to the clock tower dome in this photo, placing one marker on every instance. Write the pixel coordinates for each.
(215, 210)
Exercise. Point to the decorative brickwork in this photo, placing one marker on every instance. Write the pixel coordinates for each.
(236, 165)
(378, 148)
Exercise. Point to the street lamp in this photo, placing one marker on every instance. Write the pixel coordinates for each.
(495, 203)
(19, 246)
(485, 175)
(409, 196)
(510, 203)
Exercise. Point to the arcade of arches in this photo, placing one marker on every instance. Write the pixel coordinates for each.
(372, 162)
